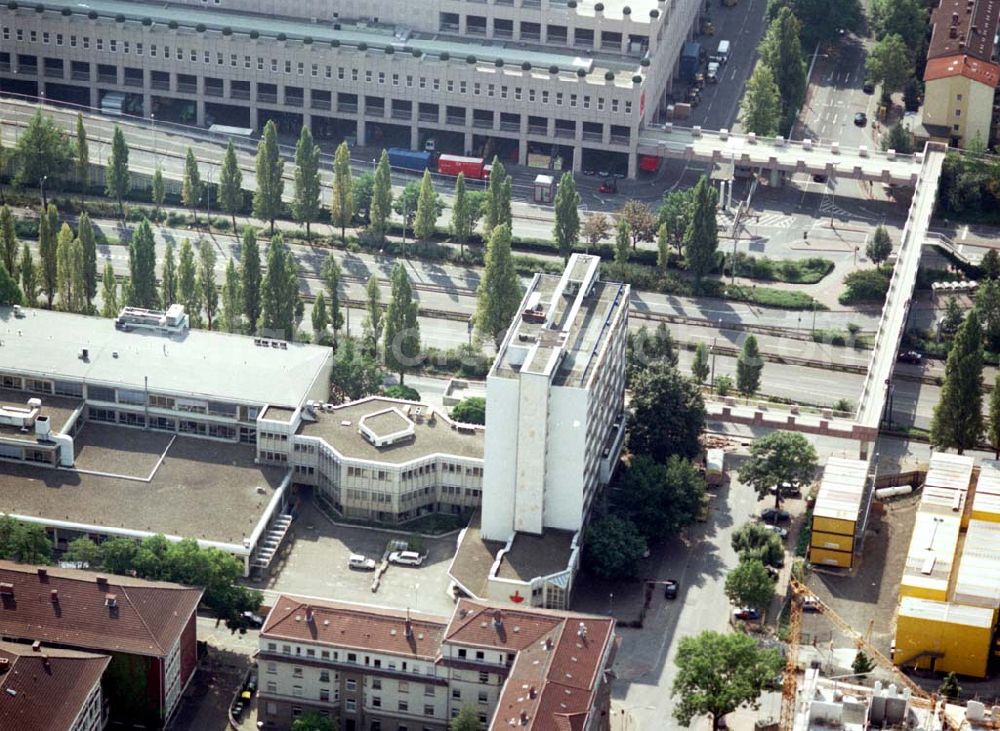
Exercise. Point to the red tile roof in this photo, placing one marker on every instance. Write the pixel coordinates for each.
(45, 690)
(69, 607)
(964, 27)
(354, 626)
(557, 671)
(967, 66)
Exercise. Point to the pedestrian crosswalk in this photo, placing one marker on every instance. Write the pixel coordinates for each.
(830, 208)
(757, 220)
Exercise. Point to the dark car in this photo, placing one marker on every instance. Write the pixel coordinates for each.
(819, 178)
(253, 619)
(910, 356)
(608, 186)
(747, 614)
(868, 87)
(670, 589)
(860, 119)
(773, 515)
(588, 171)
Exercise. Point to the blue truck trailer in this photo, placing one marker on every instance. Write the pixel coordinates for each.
(690, 61)
(409, 159)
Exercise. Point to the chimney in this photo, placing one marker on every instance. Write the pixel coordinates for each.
(111, 601)
(54, 596)
(408, 629)
(102, 580)
(43, 574)
(953, 32)
(548, 643)
(4, 665)
(36, 646)
(954, 19)
(498, 619)
(532, 692)
(581, 631)
(524, 718)
(309, 615)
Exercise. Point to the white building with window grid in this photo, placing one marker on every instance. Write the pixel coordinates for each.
(522, 78)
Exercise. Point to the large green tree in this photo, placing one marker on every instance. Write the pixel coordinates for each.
(776, 459)
(117, 181)
(305, 202)
(643, 349)
(42, 152)
(463, 214)
(231, 314)
(320, 317)
(660, 499)
(48, 225)
(668, 414)
(700, 368)
(497, 211)
(109, 288)
(613, 547)
(749, 367)
(566, 231)
(761, 109)
(822, 20)
(905, 18)
(499, 292)
(280, 290)
(10, 292)
(65, 273)
(958, 416)
(231, 184)
(889, 63)
(720, 672)
(88, 241)
(24, 542)
(429, 207)
(756, 540)
(749, 585)
(381, 204)
(988, 309)
(188, 293)
(81, 157)
(373, 323)
(250, 277)
(354, 373)
(880, 246)
(208, 291)
(675, 214)
(142, 266)
(623, 235)
(191, 184)
(595, 229)
(330, 271)
(158, 191)
(168, 277)
(313, 721)
(781, 50)
(466, 720)
(701, 239)
(642, 224)
(269, 170)
(10, 247)
(342, 208)
(471, 410)
(402, 331)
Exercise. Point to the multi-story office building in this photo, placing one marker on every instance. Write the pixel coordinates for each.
(383, 670)
(555, 422)
(31, 677)
(554, 430)
(576, 79)
(378, 458)
(148, 628)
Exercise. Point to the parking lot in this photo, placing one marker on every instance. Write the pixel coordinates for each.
(313, 562)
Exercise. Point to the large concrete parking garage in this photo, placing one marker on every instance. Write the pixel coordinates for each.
(313, 562)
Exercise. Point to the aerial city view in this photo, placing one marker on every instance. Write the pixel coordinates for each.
(474, 365)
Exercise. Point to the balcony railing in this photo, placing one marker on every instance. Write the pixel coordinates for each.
(566, 134)
(238, 93)
(28, 69)
(294, 101)
(51, 73)
(528, 36)
(428, 117)
(187, 87)
(267, 97)
(482, 123)
(593, 136)
(375, 111)
(537, 129)
(503, 34)
(323, 104)
(217, 91)
(5, 67)
(510, 126)
(159, 84)
(402, 114)
(103, 78)
(619, 139)
(449, 27)
(455, 119)
(346, 108)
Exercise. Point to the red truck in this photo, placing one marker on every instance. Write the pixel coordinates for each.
(649, 163)
(473, 167)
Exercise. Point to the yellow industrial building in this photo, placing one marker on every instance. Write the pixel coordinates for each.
(950, 589)
(838, 517)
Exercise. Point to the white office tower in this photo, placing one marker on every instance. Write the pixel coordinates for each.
(555, 403)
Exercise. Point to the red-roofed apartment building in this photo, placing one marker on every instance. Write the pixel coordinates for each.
(49, 689)
(385, 670)
(147, 627)
(962, 71)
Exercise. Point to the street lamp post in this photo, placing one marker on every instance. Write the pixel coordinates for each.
(41, 187)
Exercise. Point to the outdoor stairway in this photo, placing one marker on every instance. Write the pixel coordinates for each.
(272, 539)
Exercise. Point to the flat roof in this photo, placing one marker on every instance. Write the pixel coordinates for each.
(945, 612)
(202, 489)
(842, 489)
(434, 433)
(474, 559)
(352, 34)
(58, 408)
(209, 365)
(531, 556)
(951, 471)
(978, 579)
(574, 334)
(931, 556)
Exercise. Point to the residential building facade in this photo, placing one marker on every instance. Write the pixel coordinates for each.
(505, 76)
(384, 670)
(148, 627)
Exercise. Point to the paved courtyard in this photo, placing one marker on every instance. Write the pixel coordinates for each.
(313, 562)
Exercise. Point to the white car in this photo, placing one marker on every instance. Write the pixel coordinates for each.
(713, 72)
(782, 532)
(406, 558)
(360, 563)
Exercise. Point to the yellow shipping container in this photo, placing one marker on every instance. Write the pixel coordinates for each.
(943, 636)
(833, 525)
(832, 541)
(826, 557)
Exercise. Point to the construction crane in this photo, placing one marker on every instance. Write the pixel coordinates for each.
(799, 594)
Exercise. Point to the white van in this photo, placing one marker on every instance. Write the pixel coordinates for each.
(723, 52)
